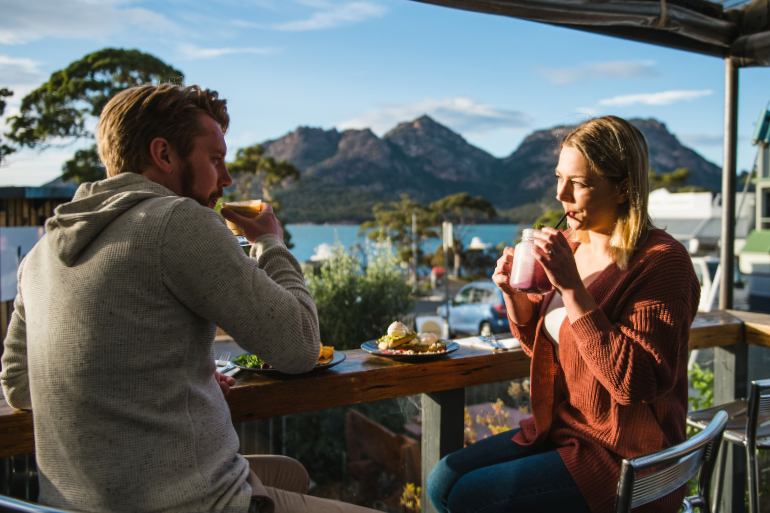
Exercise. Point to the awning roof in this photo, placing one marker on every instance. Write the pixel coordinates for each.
(728, 28)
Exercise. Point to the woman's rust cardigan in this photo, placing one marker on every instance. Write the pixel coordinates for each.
(616, 387)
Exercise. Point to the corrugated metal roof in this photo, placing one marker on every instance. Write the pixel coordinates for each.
(37, 192)
(703, 229)
(727, 28)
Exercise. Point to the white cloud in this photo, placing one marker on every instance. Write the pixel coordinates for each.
(702, 139)
(600, 70)
(460, 113)
(587, 111)
(662, 98)
(23, 21)
(34, 168)
(194, 52)
(19, 72)
(21, 76)
(329, 16)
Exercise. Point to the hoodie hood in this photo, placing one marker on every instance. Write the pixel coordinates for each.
(95, 205)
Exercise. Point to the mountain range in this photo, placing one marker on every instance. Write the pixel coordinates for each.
(343, 174)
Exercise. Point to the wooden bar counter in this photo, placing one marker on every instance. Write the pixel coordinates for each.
(365, 378)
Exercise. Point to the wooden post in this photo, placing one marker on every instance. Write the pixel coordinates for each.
(442, 432)
(731, 365)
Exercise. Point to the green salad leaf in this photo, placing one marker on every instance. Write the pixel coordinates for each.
(248, 360)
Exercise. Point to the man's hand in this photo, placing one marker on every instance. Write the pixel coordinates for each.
(225, 382)
(265, 223)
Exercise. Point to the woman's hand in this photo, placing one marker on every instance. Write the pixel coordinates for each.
(555, 255)
(502, 275)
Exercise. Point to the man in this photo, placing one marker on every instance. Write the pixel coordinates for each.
(111, 340)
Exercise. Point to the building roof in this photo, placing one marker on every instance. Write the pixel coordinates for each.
(758, 242)
(703, 229)
(37, 192)
(728, 28)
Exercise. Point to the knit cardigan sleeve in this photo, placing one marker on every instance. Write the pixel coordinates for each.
(636, 357)
(527, 333)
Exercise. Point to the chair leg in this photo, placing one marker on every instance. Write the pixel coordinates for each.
(751, 458)
(717, 480)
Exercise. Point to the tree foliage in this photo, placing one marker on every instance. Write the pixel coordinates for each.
(354, 304)
(61, 107)
(85, 166)
(4, 149)
(393, 221)
(462, 211)
(671, 181)
(251, 162)
(550, 218)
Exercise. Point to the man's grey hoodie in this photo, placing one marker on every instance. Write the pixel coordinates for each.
(111, 346)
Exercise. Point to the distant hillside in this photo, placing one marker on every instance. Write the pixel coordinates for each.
(345, 173)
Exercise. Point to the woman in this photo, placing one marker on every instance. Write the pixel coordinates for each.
(608, 344)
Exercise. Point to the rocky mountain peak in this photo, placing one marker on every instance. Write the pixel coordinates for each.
(305, 146)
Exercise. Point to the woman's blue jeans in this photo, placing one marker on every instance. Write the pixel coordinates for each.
(496, 475)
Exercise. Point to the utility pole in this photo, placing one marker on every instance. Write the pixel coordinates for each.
(448, 243)
(414, 246)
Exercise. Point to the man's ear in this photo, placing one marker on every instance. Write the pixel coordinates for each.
(161, 154)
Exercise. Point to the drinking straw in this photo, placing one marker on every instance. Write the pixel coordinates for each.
(561, 220)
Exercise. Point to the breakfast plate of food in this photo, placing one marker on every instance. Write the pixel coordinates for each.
(328, 357)
(401, 342)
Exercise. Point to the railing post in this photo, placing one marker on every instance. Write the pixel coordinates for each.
(731, 365)
(727, 249)
(442, 432)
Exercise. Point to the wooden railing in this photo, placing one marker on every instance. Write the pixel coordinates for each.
(364, 378)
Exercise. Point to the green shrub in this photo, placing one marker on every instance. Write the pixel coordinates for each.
(356, 303)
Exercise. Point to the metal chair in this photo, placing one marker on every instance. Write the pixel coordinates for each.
(665, 471)
(745, 427)
(11, 505)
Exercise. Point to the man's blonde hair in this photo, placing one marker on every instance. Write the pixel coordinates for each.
(136, 116)
(617, 150)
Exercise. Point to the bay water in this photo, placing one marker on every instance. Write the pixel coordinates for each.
(309, 239)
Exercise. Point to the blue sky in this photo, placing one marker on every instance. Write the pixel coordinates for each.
(374, 63)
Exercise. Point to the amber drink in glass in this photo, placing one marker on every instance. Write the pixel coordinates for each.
(247, 208)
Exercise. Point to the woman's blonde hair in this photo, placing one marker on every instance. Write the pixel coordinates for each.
(617, 150)
(136, 116)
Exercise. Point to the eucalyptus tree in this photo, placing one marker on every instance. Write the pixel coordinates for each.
(462, 211)
(68, 104)
(393, 221)
(251, 164)
(4, 149)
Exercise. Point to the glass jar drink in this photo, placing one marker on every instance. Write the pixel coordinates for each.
(527, 275)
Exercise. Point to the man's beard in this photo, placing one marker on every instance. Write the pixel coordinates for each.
(188, 187)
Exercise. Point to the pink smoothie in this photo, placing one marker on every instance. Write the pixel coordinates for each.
(532, 280)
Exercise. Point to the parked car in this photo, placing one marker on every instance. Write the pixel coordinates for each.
(706, 271)
(477, 309)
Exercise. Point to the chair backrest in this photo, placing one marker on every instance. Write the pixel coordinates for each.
(11, 505)
(667, 470)
(758, 410)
